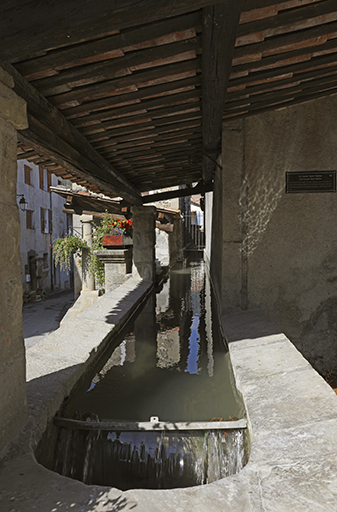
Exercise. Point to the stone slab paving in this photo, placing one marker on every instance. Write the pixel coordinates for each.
(292, 414)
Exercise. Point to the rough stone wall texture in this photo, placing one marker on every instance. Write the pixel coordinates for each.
(144, 241)
(12, 353)
(175, 242)
(279, 250)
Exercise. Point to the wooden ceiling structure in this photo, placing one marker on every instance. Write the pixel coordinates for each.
(127, 96)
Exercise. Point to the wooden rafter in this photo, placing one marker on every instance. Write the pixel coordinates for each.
(147, 88)
(48, 129)
(58, 23)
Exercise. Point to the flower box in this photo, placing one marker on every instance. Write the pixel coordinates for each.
(114, 241)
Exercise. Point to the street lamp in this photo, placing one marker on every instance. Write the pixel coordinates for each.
(22, 203)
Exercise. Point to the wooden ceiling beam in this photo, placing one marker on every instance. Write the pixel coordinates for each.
(133, 96)
(105, 116)
(320, 61)
(52, 63)
(283, 59)
(282, 83)
(220, 23)
(289, 19)
(143, 134)
(285, 42)
(112, 68)
(182, 192)
(27, 29)
(61, 142)
(167, 73)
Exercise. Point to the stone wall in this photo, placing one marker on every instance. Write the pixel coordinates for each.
(12, 354)
(278, 251)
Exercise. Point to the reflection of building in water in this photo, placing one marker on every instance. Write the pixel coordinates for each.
(172, 351)
(182, 342)
(168, 348)
(124, 353)
(163, 299)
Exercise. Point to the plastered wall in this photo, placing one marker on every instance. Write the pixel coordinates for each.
(275, 250)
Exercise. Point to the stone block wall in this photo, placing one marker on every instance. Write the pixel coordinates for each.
(13, 412)
(278, 251)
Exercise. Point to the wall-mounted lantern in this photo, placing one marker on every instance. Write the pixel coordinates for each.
(22, 203)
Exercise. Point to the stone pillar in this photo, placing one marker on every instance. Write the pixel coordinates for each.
(176, 241)
(117, 264)
(88, 294)
(229, 255)
(13, 410)
(88, 280)
(144, 241)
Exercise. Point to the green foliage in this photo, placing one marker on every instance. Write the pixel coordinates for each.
(107, 226)
(64, 248)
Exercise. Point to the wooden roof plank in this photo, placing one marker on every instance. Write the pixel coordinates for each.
(132, 96)
(64, 58)
(40, 110)
(109, 69)
(288, 18)
(142, 78)
(27, 29)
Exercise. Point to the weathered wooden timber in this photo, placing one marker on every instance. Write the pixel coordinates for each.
(140, 88)
(200, 188)
(50, 130)
(63, 22)
(219, 33)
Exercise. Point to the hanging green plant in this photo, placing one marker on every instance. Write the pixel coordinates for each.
(64, 248)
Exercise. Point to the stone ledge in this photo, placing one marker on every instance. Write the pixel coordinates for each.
(292, 417)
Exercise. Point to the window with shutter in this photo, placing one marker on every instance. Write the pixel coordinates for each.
(50, 221)
(27, 171)
(29, 219)
(41, 177)
(49, 183)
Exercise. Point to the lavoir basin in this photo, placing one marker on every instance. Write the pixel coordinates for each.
(161, 409)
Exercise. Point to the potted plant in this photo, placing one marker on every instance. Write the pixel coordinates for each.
(108, 227)
(118, 234)
(64, 248)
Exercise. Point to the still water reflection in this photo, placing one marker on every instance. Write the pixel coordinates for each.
(173, 364)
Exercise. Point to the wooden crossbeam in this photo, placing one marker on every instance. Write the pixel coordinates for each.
(201, 188)
(50, 132)
(220, 23)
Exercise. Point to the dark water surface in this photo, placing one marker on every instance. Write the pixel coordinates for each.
(173, 365)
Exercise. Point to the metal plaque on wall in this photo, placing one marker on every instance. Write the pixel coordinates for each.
(312, 181)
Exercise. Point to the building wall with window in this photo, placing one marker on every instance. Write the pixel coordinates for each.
(41, 223)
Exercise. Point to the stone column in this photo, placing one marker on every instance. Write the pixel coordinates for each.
(13, 410)
(176, 241)
(144, 240)
(229, 257)
(117, 264)
(88, 294)
(88, 280)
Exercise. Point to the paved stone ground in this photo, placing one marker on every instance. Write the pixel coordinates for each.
(41, 318)
(291, 412)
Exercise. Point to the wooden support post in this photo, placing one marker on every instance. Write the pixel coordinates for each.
(220, 23)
